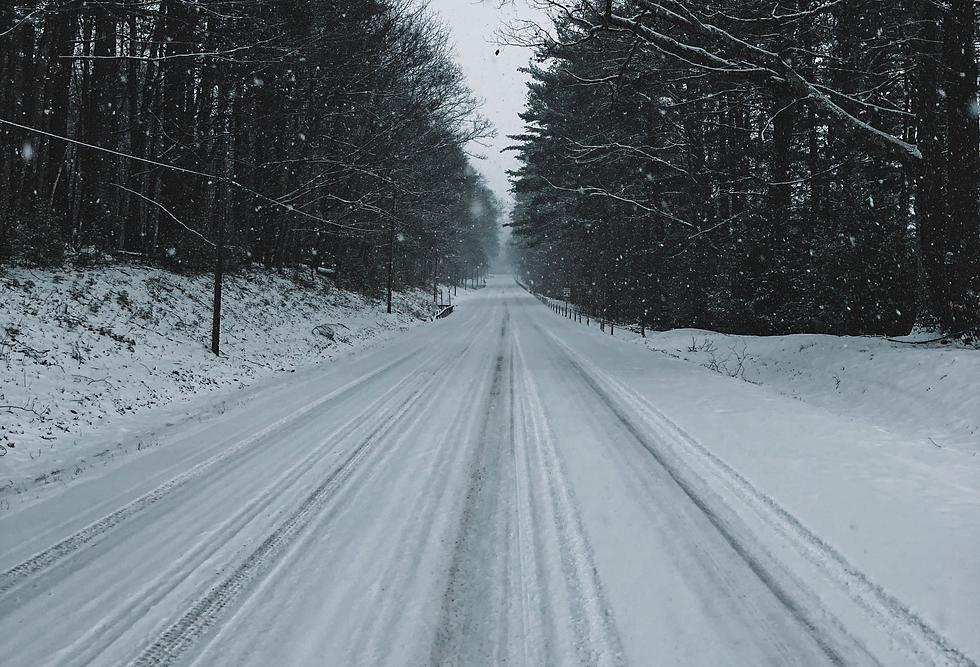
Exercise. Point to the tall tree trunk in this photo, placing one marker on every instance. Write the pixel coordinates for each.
(131, 230)
(962, 311)
(930, 200)
(7, 135)
(98, 122)
(176, 138)
(24, 39)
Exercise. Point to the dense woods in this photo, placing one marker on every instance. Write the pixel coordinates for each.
(296, 134)
(759, 167)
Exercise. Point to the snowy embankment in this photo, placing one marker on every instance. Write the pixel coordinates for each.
(925, 391)
(86, 353)
(929, 392)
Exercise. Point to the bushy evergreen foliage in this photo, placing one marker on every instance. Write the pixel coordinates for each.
(674, 173)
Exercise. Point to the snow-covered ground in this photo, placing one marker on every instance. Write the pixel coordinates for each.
(928, 393)
(85, 353)
(878, 474)
(505, 486)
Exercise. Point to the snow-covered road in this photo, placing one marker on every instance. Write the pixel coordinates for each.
(496, 488)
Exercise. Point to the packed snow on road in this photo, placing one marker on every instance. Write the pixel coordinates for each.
(504, 486)
(531, 333)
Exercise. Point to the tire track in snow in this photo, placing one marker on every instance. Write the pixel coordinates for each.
(466, 632)
(110, 627)
(184, 633)
(44, 560)
(678, 452)
(374, 641)
(522, 531)
(715, 582)
(518, 516)
(596, 637)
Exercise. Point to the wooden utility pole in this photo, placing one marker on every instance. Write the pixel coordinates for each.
(219, 270)
(435, 280)
(391, 258)
(223, 208)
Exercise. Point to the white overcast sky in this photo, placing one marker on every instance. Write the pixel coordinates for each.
(493, 78)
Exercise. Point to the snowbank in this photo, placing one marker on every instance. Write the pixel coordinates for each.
(928, 392)
(83, 348)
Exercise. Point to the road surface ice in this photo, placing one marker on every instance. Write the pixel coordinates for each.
(504, 487)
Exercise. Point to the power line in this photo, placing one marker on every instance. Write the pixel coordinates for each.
(232, 182)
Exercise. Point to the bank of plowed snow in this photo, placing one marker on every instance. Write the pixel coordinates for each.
(85, 349)
(926, 391)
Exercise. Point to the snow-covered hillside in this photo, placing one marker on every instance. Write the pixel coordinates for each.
(81, 349)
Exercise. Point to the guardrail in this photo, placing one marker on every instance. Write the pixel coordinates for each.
(576, 314)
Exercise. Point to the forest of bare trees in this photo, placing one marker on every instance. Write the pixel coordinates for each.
(188, 132)
(756, 166)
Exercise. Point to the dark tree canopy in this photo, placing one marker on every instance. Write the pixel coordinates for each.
(295, 133)
(761, 167)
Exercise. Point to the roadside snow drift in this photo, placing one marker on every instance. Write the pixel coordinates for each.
(83, 348)
(929, 392)
(926, 391)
